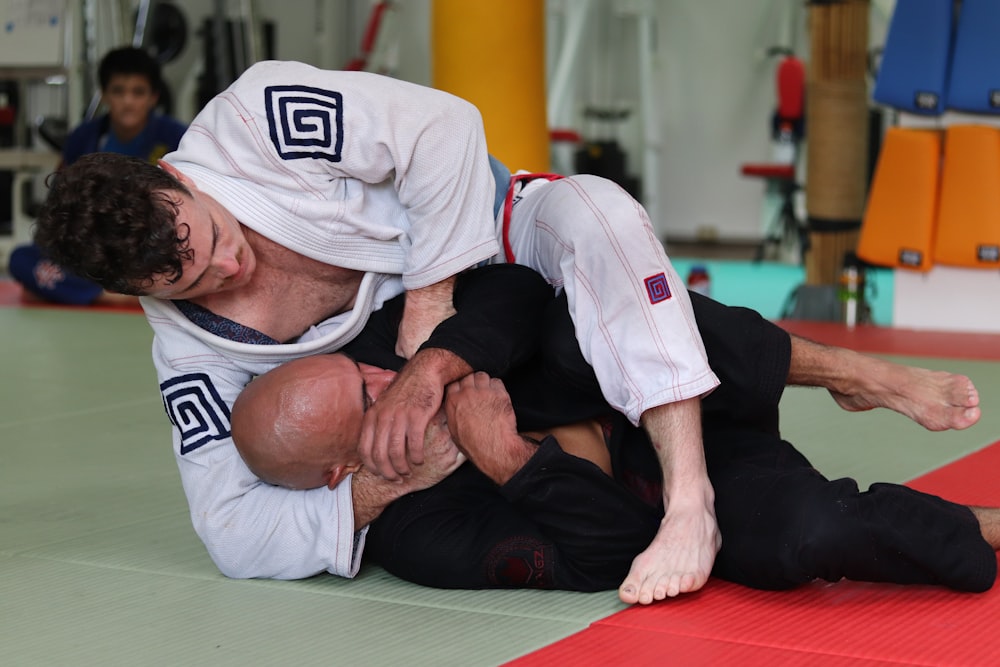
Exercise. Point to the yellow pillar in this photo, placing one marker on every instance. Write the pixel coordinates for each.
(492, 53)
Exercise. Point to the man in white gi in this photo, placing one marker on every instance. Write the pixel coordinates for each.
(299, 201)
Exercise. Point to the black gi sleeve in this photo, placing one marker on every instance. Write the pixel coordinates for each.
(498, 312)
(376, 344)
(495, 327)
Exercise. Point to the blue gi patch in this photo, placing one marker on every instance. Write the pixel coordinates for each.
(305, 122)
(657, 288)
(194, 406)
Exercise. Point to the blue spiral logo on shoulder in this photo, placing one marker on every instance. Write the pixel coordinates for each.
(305, 122)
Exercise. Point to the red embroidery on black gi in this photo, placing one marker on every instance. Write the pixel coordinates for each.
(521, 562)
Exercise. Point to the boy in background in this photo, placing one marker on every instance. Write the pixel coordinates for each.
(131, 84)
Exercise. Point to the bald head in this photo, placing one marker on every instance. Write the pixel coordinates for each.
(298, 425)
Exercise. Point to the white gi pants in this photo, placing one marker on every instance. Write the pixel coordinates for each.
(631, 310)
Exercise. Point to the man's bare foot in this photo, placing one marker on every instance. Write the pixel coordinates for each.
(936, 400)
(989, 524)
(679, 560)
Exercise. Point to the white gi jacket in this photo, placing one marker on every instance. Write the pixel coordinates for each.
(349, 168)
(370, 173)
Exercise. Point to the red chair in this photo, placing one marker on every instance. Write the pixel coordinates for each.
(787, 131)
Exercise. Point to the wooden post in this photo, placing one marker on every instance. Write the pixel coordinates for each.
(837, 131)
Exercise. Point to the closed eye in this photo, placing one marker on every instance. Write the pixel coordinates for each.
(215, 241)
(366, 397)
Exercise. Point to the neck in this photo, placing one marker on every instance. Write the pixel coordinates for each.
(287, 293)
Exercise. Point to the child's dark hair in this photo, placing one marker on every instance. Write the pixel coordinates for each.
(130, 60)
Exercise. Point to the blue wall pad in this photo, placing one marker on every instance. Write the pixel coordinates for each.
(913, 75)
(975, 71)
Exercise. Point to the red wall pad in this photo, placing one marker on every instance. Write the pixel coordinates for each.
(968, 230)
(898, 227)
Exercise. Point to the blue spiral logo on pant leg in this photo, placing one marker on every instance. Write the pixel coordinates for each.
(657, 288)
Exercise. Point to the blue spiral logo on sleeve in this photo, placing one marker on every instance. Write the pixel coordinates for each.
(194, 406)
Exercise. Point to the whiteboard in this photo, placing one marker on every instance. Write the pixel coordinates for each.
(31, 32)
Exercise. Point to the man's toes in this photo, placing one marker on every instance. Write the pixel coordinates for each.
(627, 593)
(667, 588)
(970, 417)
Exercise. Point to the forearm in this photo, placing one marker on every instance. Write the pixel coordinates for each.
(497, 325)
(435, 367)
(370, 495)
(424, 309)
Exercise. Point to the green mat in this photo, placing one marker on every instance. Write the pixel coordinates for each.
(99, 564)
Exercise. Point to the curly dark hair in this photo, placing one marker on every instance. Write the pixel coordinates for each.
(110, 218)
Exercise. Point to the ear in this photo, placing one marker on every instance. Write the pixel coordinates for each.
(175, 172)
(339, 473)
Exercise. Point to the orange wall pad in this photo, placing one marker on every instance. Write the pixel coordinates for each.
(847, 623)
(898, 227)
(968, 229)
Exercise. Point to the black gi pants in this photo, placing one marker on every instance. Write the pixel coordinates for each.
(562, 523)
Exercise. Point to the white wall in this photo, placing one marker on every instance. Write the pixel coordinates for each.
(713, 80)
(717, 91)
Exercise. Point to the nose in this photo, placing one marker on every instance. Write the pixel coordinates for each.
(228, 266)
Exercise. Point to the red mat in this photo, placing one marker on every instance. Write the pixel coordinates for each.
(847, 623)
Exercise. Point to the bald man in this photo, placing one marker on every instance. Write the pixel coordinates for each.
(530, 514)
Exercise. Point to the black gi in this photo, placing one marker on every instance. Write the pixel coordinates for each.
(560, 522)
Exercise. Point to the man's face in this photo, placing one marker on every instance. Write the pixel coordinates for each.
(129, 99)
(221, 258)
(351, 388)
(340, 393)
(348, 389)
(309, 413)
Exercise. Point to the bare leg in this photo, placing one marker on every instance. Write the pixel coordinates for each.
(681, 555)
(936, 400)
(989, 524)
